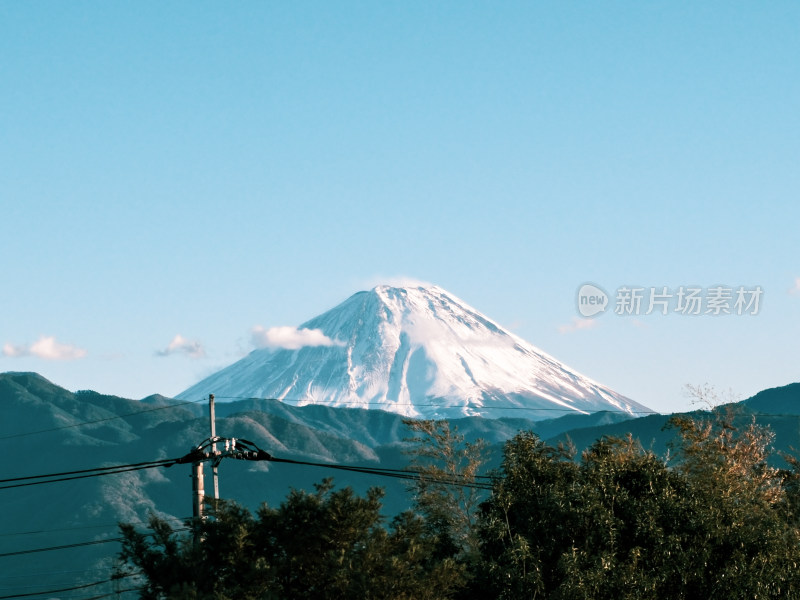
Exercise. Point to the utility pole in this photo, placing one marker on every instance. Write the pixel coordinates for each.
(198, 485)
(198, 493)
(207, 450)
(214, 464)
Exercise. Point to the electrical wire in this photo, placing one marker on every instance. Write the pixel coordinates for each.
(104, 420)
(100, 526)
(77, 544)
(98, 473)
(111, 468)
(139, 589)
(106, 595)
(64, 547)
(44, 574)
(407, 474)
(68, 589)
(41, 585)
(296, 403)
(257, 455)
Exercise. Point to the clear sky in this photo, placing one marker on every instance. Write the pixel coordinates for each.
(198, 169)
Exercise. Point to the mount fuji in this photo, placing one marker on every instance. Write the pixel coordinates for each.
(418, 351)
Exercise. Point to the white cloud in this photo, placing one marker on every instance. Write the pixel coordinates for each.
(577, 325)
(45, 347)
(795, 290)
(180, 344)
(15, 351)
(397, 281)
(290, 338)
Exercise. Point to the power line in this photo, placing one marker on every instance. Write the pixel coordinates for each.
(248, 451)
(407, 474)
(94, 469)
(64, 547)
(94, 474)
(41, 585)
(76, 545)
(98, 597)
(99, 526)
(67, 589)
(257, 454)
(104, 420)
(296, 403)
(43, 574)
(139, 589)
(743, 411)
(47, 573)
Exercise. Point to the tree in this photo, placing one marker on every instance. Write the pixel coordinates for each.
(330, 544)
(623, 523)
(445, 494)
(746, 530)
(526, 522)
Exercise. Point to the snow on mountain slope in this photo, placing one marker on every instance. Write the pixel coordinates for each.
(418, 351)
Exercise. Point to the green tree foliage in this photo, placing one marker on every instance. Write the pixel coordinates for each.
(622, 523)
(327, 544)
(445, 459)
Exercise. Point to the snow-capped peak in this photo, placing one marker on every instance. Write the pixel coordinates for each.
(419, 351)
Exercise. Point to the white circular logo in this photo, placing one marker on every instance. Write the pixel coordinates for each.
(592, 300)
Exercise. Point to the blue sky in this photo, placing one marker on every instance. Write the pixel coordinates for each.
(200, 169)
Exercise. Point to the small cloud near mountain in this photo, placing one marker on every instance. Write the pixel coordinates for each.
(795, 290)
(45, 347)
(290, 338)
(180, 345)
(577, 324)
(401, 281)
